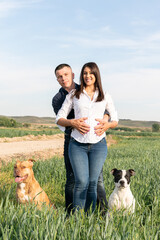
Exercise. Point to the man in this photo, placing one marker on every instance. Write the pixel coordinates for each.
(65, 78)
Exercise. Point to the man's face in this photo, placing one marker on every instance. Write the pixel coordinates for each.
(65, 77)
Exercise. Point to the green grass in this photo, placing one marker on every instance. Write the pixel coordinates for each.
(142, 154)
(132, 132)
(45, 130)
(20, 132)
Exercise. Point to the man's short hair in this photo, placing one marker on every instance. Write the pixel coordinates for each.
(60, 66)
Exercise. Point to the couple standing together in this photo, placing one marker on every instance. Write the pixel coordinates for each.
(84, 112)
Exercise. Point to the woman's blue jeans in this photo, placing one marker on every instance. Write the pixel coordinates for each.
(87, 161)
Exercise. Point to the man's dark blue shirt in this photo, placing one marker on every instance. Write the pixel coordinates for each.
(57, 102)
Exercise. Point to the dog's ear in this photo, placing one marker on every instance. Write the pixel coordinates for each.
(17, 161)
(113, 171)
(132, 172)
(31, 161)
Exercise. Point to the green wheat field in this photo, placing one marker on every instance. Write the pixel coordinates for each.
(142, 153)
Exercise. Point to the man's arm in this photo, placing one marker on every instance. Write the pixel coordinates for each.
(79, 124)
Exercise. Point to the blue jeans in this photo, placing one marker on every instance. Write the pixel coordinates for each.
(87, 161)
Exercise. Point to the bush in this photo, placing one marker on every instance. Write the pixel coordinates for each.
(26, 125)
(155, 127)
(126, 129)
(8, 122)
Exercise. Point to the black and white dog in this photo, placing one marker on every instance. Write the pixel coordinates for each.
(121, 197)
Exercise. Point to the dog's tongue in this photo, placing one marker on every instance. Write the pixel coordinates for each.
(19, 179)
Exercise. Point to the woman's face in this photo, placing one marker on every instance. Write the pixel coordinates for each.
(88, 77)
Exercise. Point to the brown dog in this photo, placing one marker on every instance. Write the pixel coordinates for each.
(28, 189)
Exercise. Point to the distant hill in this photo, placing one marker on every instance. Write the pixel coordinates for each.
(51, 120)
(136, 123)
(33, 119)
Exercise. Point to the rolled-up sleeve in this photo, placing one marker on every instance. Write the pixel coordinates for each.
(111, 108)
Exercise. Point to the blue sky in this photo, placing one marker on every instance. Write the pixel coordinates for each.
(121, 36)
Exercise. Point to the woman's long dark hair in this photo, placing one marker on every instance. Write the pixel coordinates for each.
(98, 84)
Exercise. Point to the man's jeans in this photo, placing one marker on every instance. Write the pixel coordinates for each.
(87, 161)
(69, 186)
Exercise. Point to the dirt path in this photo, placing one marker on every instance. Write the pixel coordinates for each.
(36, 147)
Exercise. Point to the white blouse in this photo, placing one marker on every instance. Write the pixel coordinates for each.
(85, 107)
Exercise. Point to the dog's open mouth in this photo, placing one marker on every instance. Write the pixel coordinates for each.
(20, 179)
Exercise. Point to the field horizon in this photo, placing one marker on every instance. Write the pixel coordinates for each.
(51, 120)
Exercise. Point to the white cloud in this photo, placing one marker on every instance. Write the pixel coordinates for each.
(6, 6)
(141, 22)
(98, 40)
(95, 38)
(25, 80)
(155, 37)
(137, 85)
(105, 29)
(64, 45)
(101, 42)
(82, 15)
(135, 94)
(147, 42)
